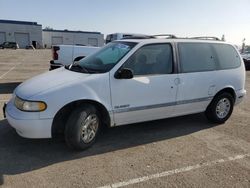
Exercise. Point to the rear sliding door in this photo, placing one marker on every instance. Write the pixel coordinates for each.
(197, 78)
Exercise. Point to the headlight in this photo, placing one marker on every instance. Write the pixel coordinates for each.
(29, 106)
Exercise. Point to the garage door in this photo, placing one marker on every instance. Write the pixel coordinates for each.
(57, 40)
(93, 42)
(22, 39)
(2, 37)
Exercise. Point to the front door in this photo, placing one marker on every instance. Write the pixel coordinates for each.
(151, 93)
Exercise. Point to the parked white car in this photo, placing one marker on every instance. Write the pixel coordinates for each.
(246, 56)
(129, 81)
(66, 54)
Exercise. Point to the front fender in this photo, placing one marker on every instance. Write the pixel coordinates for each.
(90, 90)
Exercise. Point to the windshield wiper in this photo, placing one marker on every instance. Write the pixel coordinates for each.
(66, 66)
(78, 68)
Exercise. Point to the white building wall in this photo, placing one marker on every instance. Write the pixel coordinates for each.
(34, 31)
(71, 38)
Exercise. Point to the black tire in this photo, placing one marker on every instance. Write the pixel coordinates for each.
(73, 129)
(211, 112)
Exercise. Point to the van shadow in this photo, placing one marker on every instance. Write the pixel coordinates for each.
(7, 88)
(19, 155)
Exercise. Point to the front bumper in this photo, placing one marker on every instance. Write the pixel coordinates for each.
(28, 124)
(54, 65)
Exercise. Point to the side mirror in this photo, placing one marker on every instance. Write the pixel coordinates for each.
(124, 74)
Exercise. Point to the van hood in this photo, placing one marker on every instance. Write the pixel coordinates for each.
(46, 81)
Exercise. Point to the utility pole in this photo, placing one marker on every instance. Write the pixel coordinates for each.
(223, 38)
(243, 46)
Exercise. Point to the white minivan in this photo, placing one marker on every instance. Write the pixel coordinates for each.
(129, 81)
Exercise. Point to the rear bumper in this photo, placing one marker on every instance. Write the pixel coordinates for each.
(54, 65)
(240, 94)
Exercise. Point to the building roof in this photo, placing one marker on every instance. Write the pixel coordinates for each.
(19, 22)
(69, 31)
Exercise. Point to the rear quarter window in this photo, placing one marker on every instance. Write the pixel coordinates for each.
(199, 57)
(226, 56)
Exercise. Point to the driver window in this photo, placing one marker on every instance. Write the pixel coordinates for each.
(151, 59)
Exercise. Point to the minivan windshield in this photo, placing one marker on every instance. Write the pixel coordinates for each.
(103, 60)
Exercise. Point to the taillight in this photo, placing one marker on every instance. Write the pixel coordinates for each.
(54, 52)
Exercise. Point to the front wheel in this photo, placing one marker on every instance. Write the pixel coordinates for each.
(82, 127)
(220, 109)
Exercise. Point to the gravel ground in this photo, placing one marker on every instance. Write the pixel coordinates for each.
(177, 152)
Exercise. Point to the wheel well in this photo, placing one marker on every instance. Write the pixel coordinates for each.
(227, 90)
(63, 114)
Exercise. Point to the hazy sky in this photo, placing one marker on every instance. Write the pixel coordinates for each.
(180, 17)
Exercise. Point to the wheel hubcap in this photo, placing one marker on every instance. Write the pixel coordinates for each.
(223, 108)
(89, 128)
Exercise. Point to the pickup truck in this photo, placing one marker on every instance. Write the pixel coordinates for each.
(66, 54)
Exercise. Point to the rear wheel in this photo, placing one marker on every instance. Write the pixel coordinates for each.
(220, 109)
(82, 127)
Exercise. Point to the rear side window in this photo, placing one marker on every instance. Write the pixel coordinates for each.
(226, 56)
(196, 57)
